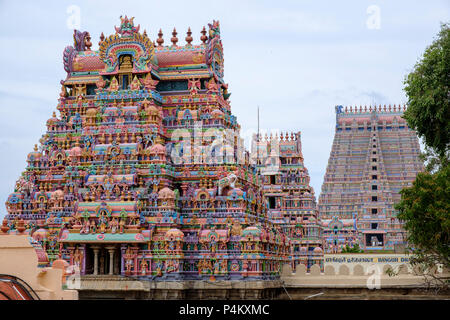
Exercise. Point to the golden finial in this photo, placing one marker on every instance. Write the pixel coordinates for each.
(189, 37)
(203, 37)
(160, 39)
(102, 38)
(174, 38)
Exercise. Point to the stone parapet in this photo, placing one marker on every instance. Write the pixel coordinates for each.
(358, 276)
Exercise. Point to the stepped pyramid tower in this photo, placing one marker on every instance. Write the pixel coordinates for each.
(142, 173)
(374, 155)
(290, 198)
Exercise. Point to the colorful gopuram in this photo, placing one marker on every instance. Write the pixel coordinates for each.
(290, 199)
(142, 173)
(374, 155)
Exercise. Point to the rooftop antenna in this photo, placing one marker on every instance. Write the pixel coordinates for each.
(258, 122)
(257, 142)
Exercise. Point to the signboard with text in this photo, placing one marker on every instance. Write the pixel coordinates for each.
(364, 259)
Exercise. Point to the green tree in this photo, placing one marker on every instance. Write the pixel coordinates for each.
(354, 249)
(427, 88)
(425, 206)
(425, 209)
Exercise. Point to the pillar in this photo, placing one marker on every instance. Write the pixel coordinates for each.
(111, 260)
(96, 250)
(71, 250)
(122, 262)
(83, 267)
(136, 266)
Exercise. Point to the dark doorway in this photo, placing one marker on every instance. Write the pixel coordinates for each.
(272, 203)
(103, 261)
(374, 240)
(89, 269)
(124, 82)
(273, 179)
(117, 261)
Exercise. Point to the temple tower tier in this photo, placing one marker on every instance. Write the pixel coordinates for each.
(374, 155)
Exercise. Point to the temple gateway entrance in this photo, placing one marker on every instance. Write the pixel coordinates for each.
(374, 240)
(103, 260)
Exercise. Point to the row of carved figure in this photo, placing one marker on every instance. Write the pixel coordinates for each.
(104, 224)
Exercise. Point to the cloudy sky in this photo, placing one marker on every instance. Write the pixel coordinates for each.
(295, 59)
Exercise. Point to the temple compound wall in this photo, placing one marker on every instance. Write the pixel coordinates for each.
(374, 155)
(362, 281)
